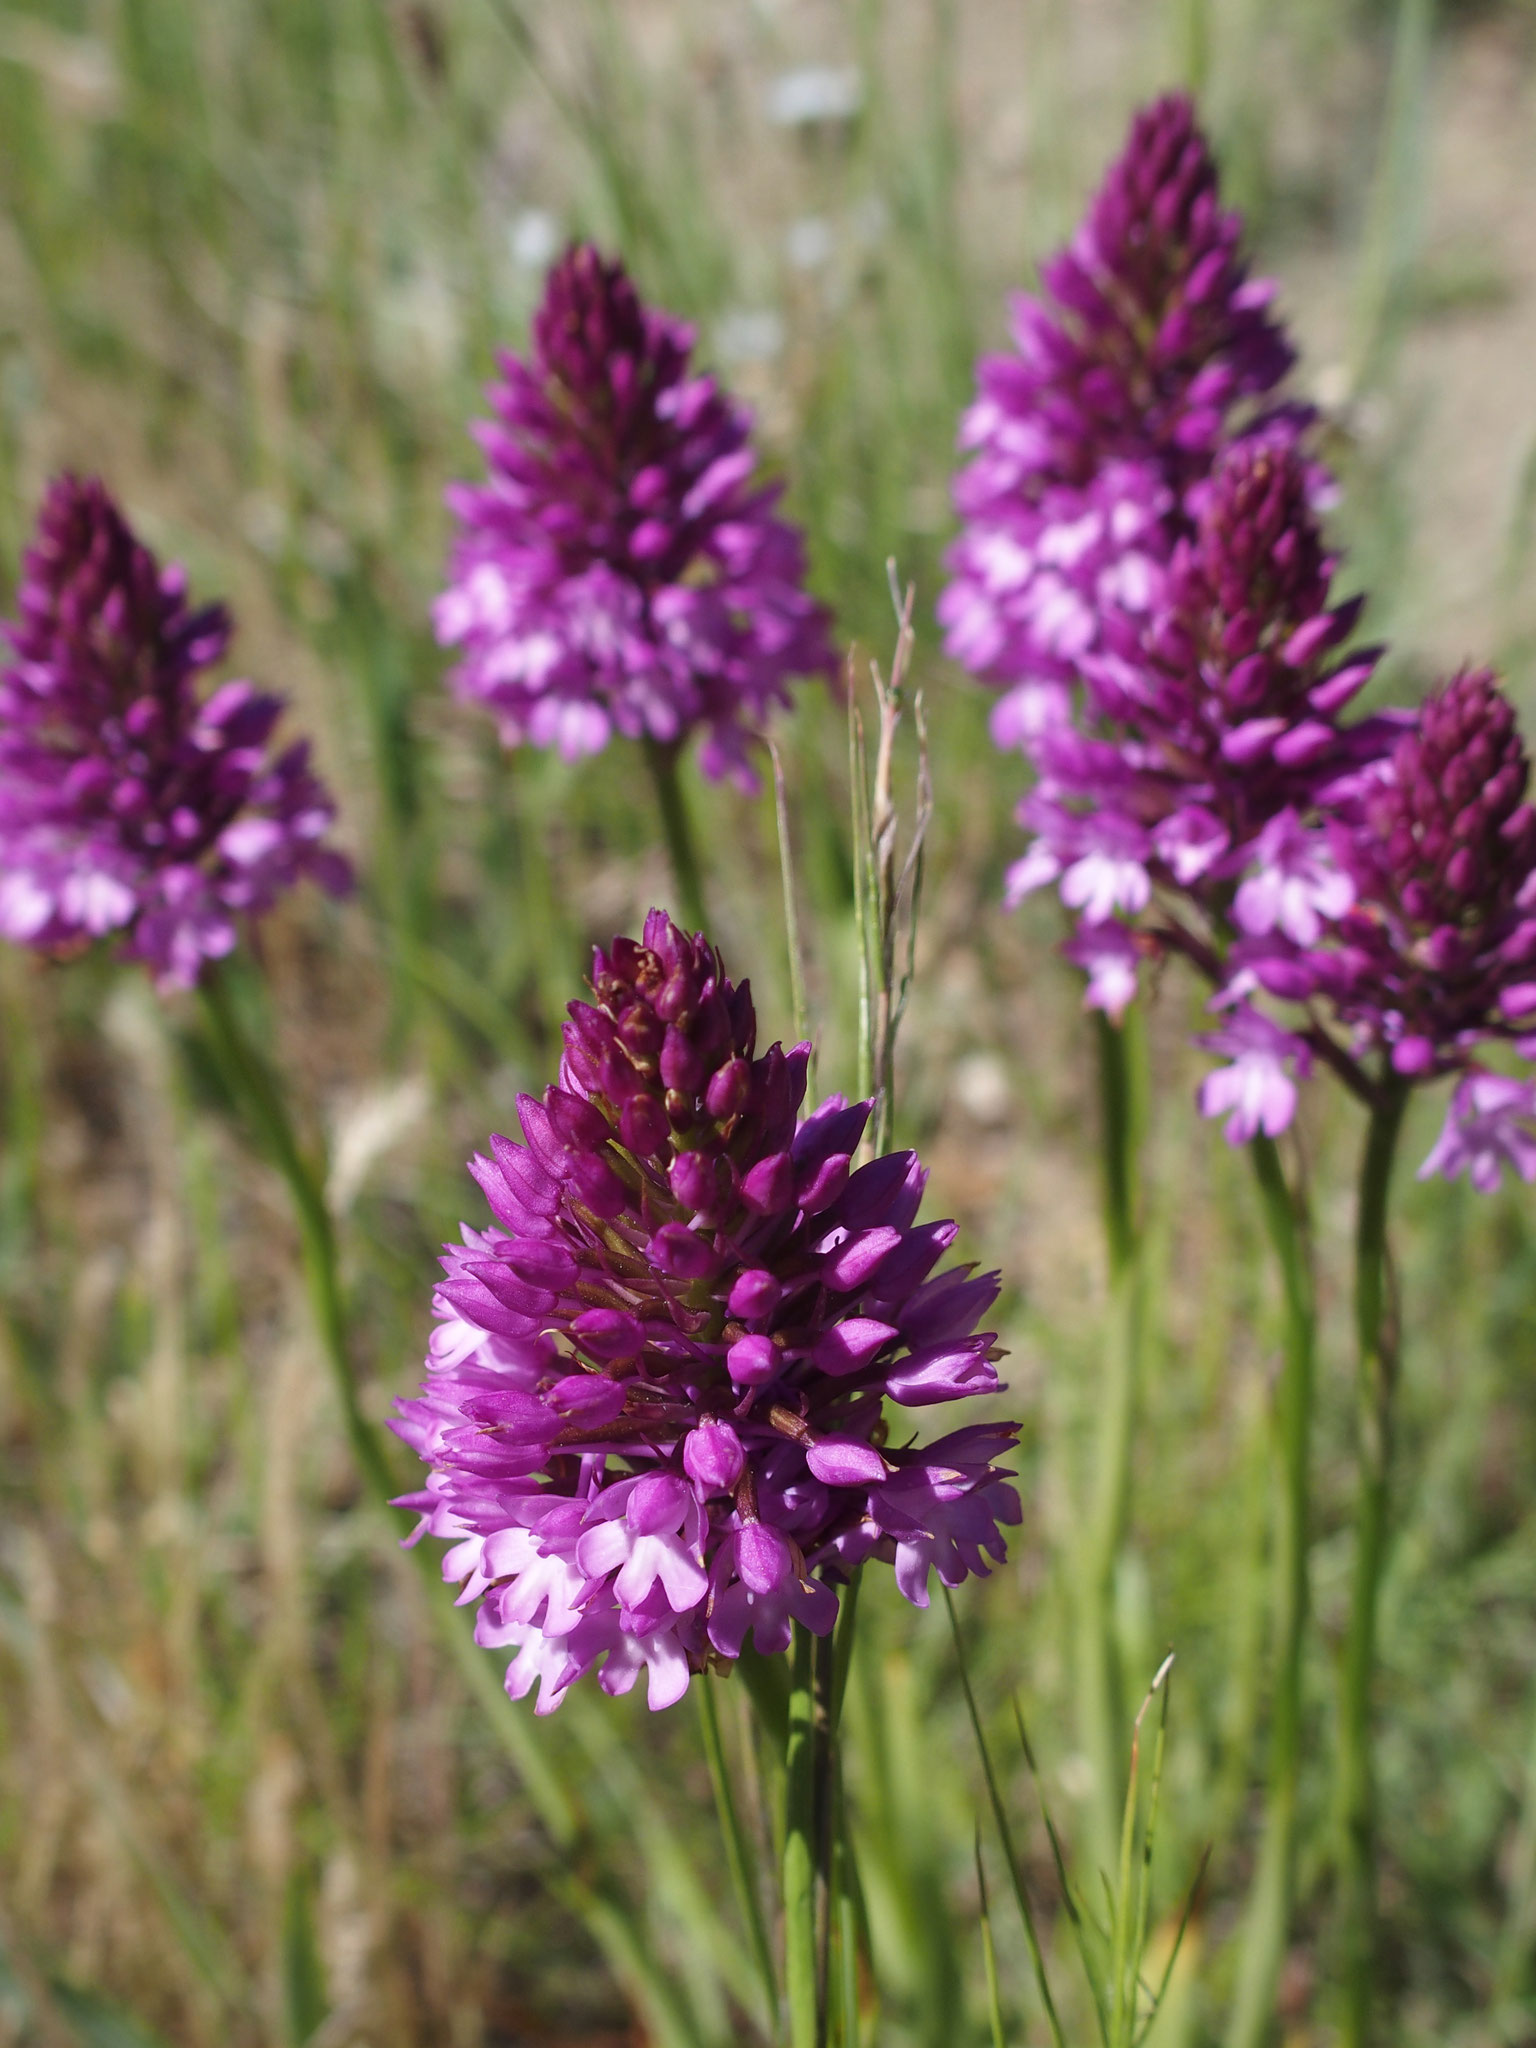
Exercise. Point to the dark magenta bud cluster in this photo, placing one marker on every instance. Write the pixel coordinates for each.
(1440, 947)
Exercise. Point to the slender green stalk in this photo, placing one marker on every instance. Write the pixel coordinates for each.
(738, 1850)
(1512, 1958)
(843, 1915)
(590, 1891)
(846, 1909)
(1267, 1928)
(1376, 1337)
(863, 889)
(798, 1009)
(1101, 1704)
(801, 1958)
(661, 757)
(826, 1806)
(842, 1646)
(263, 1105)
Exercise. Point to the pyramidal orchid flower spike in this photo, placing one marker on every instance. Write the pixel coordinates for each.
(1145, 349)
(130, 802)
(654, 1410)
(622, 569)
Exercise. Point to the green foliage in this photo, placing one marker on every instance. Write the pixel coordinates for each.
(256, 257)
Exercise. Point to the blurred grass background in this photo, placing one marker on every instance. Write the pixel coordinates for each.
(254, 258)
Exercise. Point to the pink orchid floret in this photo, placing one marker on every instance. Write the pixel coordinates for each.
(1107, 953)
(1256, 1090)
(1295, 885)
(1490, 1124)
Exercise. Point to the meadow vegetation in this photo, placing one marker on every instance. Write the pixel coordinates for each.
(255, 258)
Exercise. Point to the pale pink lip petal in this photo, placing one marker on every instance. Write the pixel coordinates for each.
(1107, 953)
(628, 1479)
(1256, 1091)
(1295, 888)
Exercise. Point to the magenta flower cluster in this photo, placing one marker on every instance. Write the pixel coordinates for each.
(623, 568)
(655, 1404)
(130, 803)
(1142, 569)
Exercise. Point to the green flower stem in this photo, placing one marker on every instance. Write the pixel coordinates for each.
(801, 1845)
(841, 1933)
(590, 1891)
(846, 1908)
(738, 1850)
(828, 1818)
(264, 1108)
(661, 757)
(1100, 1689)
(1376, 1338)
(1267, 1929)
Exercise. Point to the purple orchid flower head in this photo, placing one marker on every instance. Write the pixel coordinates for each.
(623, 568)
(1145, 350)
(655, 1406)
(131, 804)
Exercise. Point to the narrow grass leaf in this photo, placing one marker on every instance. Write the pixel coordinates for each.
(1005, 1834)
(988, 1949)
(1079, 1916)
(1182, 1929)
(305, 2004)
(739, 1852)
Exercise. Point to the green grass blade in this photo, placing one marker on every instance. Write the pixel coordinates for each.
(1182, 1929)
(1078, 1916)
(1005, 1835)
(739, 1850)
(97, 2024)
(1144, 1873)
(304, 2001)
(1393, 218)
(988, 1949)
